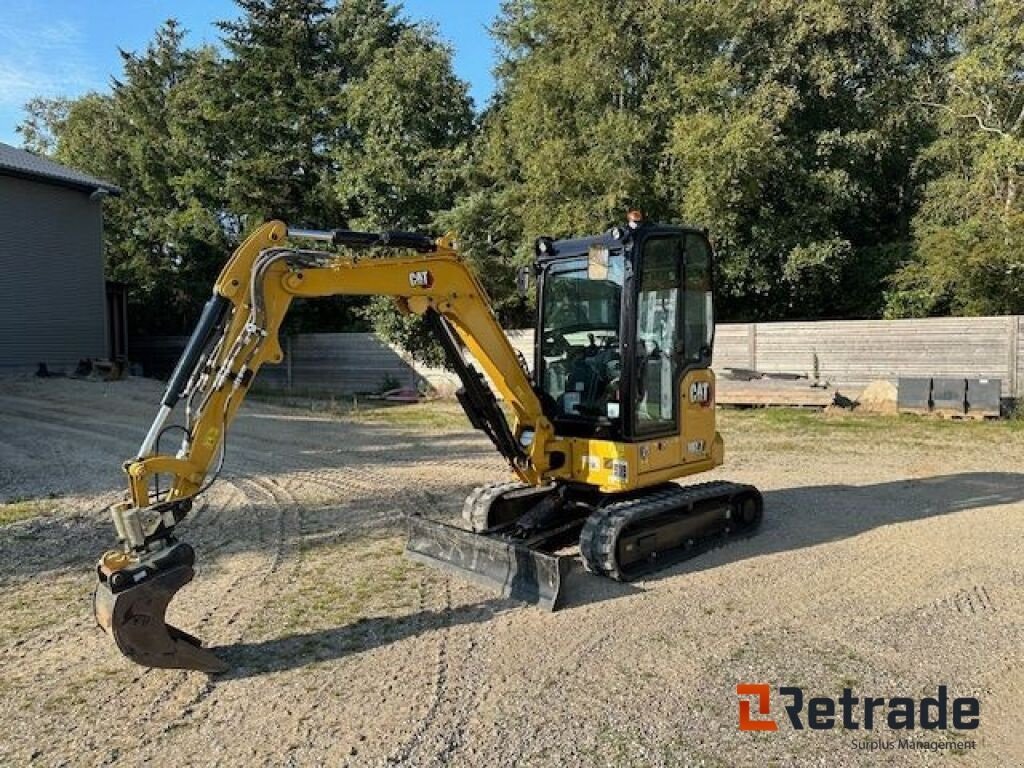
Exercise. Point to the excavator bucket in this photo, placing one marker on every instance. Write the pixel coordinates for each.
(515, 570)
(135, 618)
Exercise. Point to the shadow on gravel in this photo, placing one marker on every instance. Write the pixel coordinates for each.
(294, 651)
(795, 518)
(580, 587)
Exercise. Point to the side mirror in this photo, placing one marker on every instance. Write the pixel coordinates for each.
(523, 280)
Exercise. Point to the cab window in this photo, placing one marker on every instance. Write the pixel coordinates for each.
(580, 360)
(657, 339)
(699, 324)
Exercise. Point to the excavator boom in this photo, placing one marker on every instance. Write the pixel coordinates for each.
(236, 335)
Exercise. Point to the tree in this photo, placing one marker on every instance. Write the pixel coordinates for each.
(970, 229)
(575, 132)
(795, 145)
(784, 127)
(408, 120)
(278, 98)
(164, 236)
(44, 119)
(338, 116)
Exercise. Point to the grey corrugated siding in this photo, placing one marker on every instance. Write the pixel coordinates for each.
(850, 353)
(52, 300)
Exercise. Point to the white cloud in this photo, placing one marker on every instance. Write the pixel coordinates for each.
(42, 59)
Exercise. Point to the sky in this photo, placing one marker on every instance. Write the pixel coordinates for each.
(69, 47)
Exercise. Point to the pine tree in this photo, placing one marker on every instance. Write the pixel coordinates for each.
(278, 97)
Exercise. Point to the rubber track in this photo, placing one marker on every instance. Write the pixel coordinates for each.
(600, 534)
(476, 510)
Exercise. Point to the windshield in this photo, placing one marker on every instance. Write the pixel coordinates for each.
(580, 357)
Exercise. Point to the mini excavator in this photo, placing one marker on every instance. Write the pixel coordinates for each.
(620, 403)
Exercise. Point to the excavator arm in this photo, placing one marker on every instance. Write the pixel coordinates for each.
(236, 335)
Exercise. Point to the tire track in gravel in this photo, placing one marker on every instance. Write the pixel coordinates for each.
(403, 754)
(206, 549)
(211, 533)
(208, 528)
(288, 530)
(255, 597)
(441, 691)
(206, 523)
(458, 687)
(433, 727)
(83, 623)
(463, 702)
(210, 523)
(143, 683)
(149, 685)
(168, 688)
(357, 520)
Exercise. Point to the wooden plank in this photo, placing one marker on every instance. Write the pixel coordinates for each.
(747, 396)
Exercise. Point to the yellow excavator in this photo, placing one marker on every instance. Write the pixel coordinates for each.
(620, 402)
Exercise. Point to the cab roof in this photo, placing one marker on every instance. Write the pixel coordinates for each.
(580, 246)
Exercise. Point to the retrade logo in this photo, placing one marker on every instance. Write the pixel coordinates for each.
(761, 693)
(849, 712)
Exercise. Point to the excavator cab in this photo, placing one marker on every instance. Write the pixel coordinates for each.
(618, 405)
(621, 319)
(622, 369)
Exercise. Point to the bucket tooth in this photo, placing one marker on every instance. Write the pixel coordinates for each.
(135, 618)
(512, 568)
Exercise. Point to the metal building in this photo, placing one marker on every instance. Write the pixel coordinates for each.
(55, 307)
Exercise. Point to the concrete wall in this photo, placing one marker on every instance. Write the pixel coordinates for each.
(52, 296)
(849, 353)
(855, 352)
(324, 362)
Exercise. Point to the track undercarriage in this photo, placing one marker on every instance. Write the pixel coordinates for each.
(519, 532)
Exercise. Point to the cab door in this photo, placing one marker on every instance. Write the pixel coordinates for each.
(656, 337)
(672, 414)
(697, 390)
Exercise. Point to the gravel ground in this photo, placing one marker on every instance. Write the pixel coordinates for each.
(890, 561)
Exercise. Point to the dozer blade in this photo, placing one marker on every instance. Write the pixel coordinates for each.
(134, 617)
(514, 569)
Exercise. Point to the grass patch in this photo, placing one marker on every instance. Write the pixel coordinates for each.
(436, 414)
(24, 509)
(371, 578)
(814, 423)
(24, 610)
